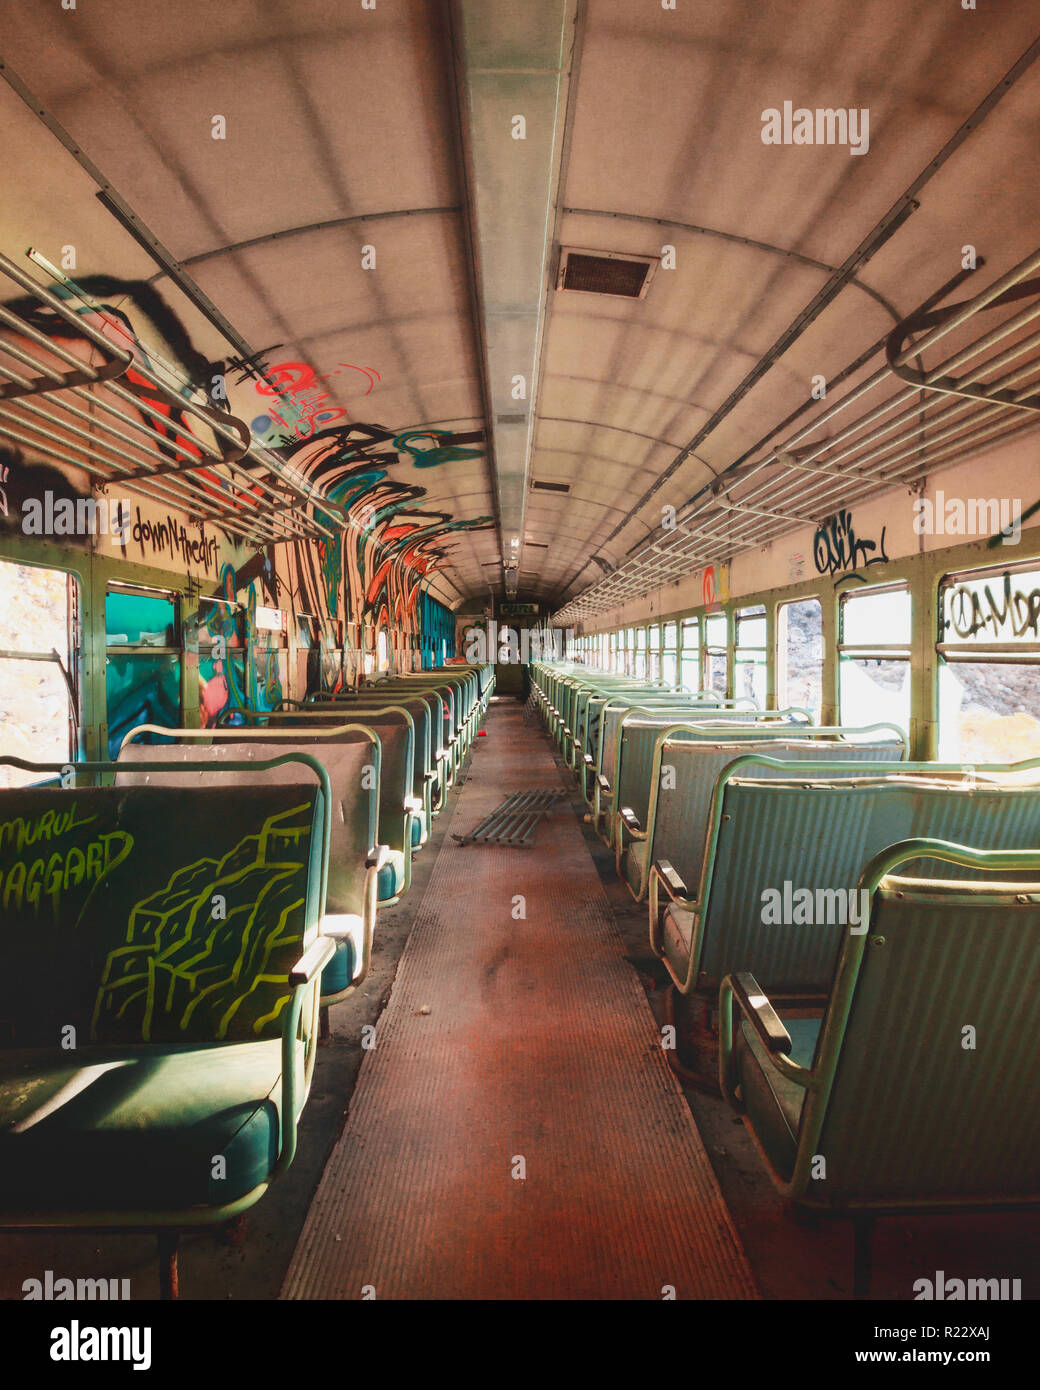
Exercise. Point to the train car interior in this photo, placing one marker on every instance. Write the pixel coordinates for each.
(519, 654)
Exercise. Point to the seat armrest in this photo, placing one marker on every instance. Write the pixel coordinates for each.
(671, 878)
(377, 856)
(759, 1012)
(412, 803)
(442, 754)
(630, 821)
(313, 961)
(602, 782)
(587, 759)
(334, 926)
(430, 776)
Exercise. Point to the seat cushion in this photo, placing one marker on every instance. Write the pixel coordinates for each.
(139, 1129)
(634, 864)
(418, 831)
(391, 876)
(676, 935)
(772, 1102)
(344, 965)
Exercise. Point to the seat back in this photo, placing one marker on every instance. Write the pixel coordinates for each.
(684, 773)
(320, 716)
(638, 734)
(804, 834)
(927, 1054)
(618, 712)
(156, 913)
(353, 827)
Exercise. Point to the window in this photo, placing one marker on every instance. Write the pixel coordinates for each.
(143, 662)
(715, 653)
(690, 661)
(38, 715)
(874, 657)
(670, 655)
(654, 646)
(749, 669)
(989, 665)
(640, 661)
(222, 658)
(799, 656)
(382, 651)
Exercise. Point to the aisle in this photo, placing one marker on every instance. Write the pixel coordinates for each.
(516, 1131)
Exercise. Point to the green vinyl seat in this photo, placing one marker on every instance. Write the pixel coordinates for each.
(158, 994)
(918, 1083)
(681, 777)
(392, 876)
(813, 826)
(355, 859)
(144, 1125)
(772, 1102)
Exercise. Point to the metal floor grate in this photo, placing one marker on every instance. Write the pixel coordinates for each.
(512, 823)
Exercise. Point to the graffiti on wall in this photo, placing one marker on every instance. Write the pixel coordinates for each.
(837, 549)
(384, 538)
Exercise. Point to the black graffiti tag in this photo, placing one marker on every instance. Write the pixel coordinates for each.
(1015, 614)
(838, 550)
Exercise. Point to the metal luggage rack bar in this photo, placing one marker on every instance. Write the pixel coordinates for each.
(80, 412)
(919, 419)
(513, 822)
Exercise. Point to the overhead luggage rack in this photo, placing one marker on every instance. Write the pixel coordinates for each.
(154, 432)
(986, 391)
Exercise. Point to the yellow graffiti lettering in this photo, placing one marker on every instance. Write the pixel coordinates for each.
(15, 885)
(53, 880)
(32, 882)
(75, 867)
(120, 854)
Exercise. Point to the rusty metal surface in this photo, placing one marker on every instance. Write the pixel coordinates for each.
(517, 1040)
(513, 822)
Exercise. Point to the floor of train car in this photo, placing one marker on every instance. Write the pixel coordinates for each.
(251, 1260)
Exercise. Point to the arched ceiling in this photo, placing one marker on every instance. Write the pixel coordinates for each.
(391, 128)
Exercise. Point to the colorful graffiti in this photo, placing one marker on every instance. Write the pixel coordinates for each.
(384, 538)
(187, 969)
(369, 574)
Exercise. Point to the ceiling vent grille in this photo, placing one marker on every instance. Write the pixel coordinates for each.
(550, 487)
(605, 272)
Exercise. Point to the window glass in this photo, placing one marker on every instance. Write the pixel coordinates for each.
(142, 682)
(134, 619)
(799, 656)
(37, 712)
(669, 656)
(689, 670)
(750, 657)
(989, 679)
(716, 663)
(873, 617)
(874, 657)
